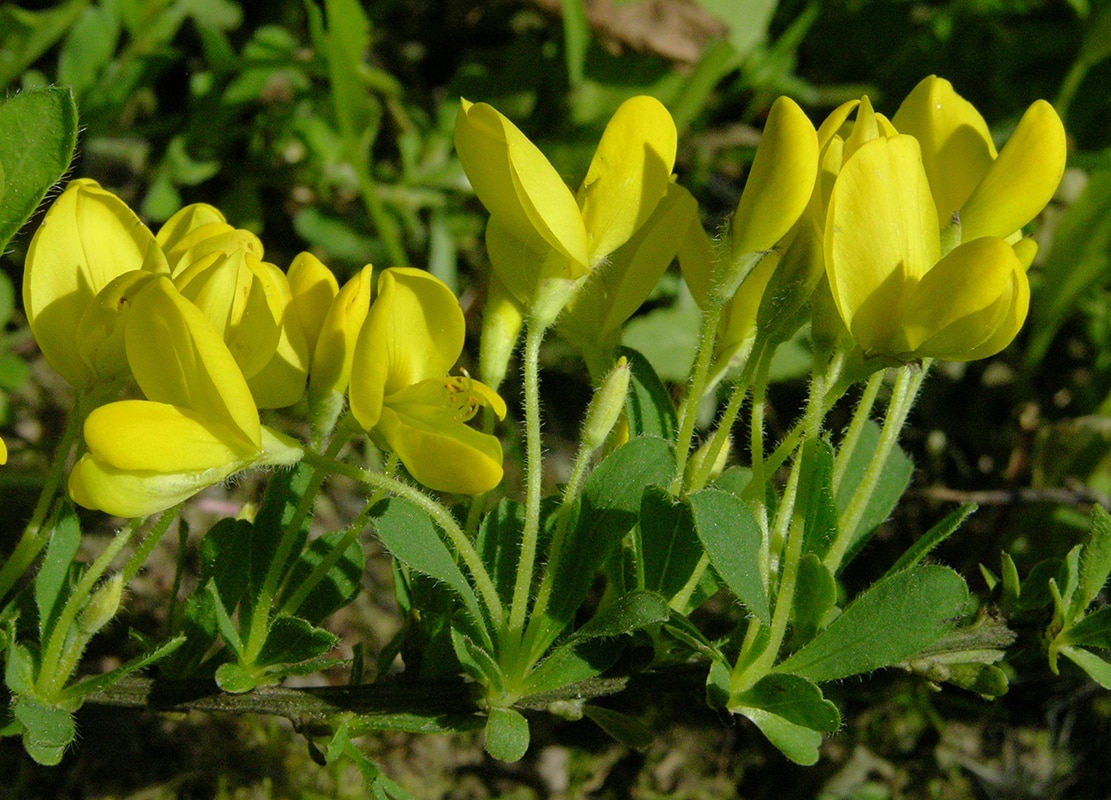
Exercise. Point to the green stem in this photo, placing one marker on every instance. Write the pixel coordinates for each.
(58, 661)
(737, 395)
(903, 394)
(260, 615)
(571, 491)
(150, 541)
(700, 374)
(756, 444)
(534, 473)
(440, 515)
(34, 536)
(856, 428)
(791, 521)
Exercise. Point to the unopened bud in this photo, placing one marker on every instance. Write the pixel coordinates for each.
(102, 605)
(606, 406)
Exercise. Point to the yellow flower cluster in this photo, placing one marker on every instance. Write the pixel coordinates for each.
(209, 333)
(911, 228)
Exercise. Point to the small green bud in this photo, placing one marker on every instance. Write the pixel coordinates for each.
(606, 406)
(102, 606)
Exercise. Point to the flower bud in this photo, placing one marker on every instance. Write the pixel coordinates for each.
(606, 406)
(102, 605)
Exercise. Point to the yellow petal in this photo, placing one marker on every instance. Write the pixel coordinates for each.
(88, 238)
(313, 286)
(781, 181)
(95, 484)
(1022, 180)
(414, 332)
(212, 237)
(619, 287)
(523, 267)
(177, 357)
(242, 298)
(955, 306)
(503, 317)
(834, 124)
(3, 452)
(141, 435)
(517, 183)
(442, 455)
(696, 262)
(629, 174)
(335, 347)
(100, 332)
(957, 149)
(881, 236)
(185, 221)
(281, 381)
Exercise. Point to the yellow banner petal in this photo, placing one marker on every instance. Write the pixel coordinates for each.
(781, 181)
(957, 149)
(88, 238)
(629, 174)
(881, 236)
(1022, 180)
(516, 183)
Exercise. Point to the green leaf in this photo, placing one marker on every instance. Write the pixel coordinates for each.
(98, 682)
(412, 538)
(507, 734)
(669, 546)
(668, 338)
(52, 583)
(573, 662)
(225, 549)
(895, 618)
(649, 406)
(815, 595)
(1097, 669)
(815, 496)
(275, 516)
(732, 539)
(1093, 630)
(38, 132)
(933, 537)
(89, 47)
(20, 668)
(340, 584)
(630, 732)
(499, 544)
(793, 698)
(478, 663)
(1095, 561)
(233, 678)
(347, 43)
(47, 730)
(798, 742)
(610, 507)
(292, 639)
(894, 479)
(628, 613)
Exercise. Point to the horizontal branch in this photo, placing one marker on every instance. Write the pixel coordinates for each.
(425, 706)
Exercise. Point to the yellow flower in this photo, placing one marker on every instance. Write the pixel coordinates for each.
(334, 353)
(3, 452)
(401, 392)
(896, 292)
(88, 240)
(197, 425)
(313, 286)
(616, 289)
(922, 234)
(988, 194)
(532, 210)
